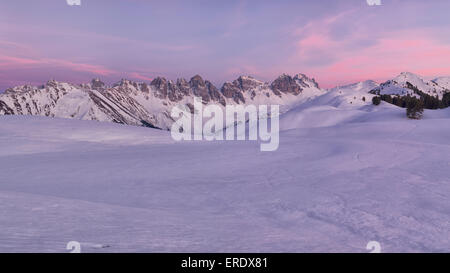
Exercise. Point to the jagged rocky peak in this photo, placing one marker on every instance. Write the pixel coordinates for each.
(161, 86)
(175, 91)
(183, 86)
(159, 83)
(97, 84)
(206, 90)
(168, 89)
(21, 88)
(197, 81)
(232, 91)
(57, 87)
(246, 83)
(123, 83)
(145, 87)
(182, 81)
(286, 84)
(129, 86)
(305, 81)
(235, 89)
(51, 83)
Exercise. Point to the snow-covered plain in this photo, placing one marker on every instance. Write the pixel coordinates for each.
(342, 176)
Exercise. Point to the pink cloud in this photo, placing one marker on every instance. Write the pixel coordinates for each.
(389, 57)
(95, 69)
(8, 61)
(18, 62)
(313, 41)
(139, 76)
(9, 65)
(341, 61)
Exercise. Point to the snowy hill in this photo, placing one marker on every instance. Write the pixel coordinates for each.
(145, 104)
(349, 95)
(401, 85)
(339, 104)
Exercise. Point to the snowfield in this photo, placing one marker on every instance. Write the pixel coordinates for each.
(342, 176)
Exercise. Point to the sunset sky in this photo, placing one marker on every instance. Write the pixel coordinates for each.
(337, 42)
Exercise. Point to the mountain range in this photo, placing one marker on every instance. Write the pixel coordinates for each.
(346, 171)
(149, 104)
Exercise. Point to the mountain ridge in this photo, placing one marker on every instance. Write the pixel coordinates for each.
(149, 104)
(403, 83)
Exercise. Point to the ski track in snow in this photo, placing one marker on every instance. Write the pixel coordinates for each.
(128, 189)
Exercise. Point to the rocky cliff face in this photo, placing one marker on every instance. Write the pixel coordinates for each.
(149, 104)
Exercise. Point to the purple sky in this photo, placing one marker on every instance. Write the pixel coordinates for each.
(337, 42)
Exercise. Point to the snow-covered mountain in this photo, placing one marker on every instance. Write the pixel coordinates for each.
(405, 83)
(443, 81)
(134, 103)
(150, 104)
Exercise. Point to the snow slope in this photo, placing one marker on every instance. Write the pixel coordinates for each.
(370, 174)
(443, 81)
(338, 105)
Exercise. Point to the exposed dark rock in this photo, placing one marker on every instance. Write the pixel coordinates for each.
(230, 90)
(160, 85)
(238, 87)
(206, 90)
(97, 84)
(285, 84)
(5, 110)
